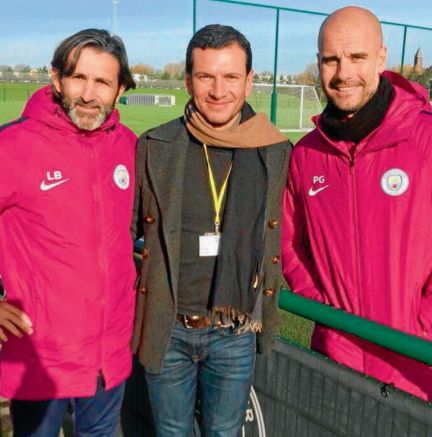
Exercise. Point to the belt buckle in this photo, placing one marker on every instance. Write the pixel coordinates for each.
(187, 319)
(193, 320)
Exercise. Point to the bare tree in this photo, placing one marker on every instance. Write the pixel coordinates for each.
(142, 69)
(175, 70)
(310, 76)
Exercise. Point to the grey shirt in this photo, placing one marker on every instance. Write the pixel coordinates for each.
(196, 273)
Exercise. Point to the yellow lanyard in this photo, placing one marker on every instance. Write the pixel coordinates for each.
(217, 198)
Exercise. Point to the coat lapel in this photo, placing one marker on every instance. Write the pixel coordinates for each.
(166, 164)
(274, 159)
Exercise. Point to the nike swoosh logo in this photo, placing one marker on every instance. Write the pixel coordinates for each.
(313, 192)
(46, 187)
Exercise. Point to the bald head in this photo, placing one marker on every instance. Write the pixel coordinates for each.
(351, 57)
(351, 20)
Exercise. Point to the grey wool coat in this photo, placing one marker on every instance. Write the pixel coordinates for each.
(160, 164)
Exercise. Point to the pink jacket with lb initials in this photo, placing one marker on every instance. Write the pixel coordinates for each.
(65, 251)
(357, 234)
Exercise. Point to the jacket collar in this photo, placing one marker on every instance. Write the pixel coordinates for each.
(410, 99)
(174, 130)
(43, 107)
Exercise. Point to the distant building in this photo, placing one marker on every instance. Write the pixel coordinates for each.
(140, 77)
(418, 61)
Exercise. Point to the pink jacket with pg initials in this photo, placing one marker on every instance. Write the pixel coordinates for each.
(357, 234)
(65, 251)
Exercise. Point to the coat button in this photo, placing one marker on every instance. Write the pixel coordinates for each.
(269, 292)
(276, 259)
(272, 223)
(149, 219)
(143, 289)
(145, 253)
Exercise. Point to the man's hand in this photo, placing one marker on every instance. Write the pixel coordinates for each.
(13, 320)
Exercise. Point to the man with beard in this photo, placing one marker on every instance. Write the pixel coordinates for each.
(66, 193)
(209, 189)
(356, 216)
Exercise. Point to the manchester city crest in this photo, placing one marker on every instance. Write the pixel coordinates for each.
(394, 182)
(121, 177)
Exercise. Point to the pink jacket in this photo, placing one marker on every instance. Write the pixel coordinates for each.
(65, 251)
(357, 234)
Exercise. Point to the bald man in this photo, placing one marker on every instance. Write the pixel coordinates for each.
(357, 206)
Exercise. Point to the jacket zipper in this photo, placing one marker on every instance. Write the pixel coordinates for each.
(356, 260)
(100, 263)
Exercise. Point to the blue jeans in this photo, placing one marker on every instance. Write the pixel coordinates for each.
(213, 365)
(95, 416)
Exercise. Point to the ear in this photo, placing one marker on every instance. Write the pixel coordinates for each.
(120, 93)
(55, 77)
(382, 59)
(249, 84)
(188, 83)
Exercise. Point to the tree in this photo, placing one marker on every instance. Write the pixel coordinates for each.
(405, 70)
(142, 69)
(310, 76)
(410, 73)
(165, 75)
(6, 69)
(21, 68)
(43, 70)
(175, 70)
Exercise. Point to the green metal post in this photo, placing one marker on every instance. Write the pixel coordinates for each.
(403, 49)
(194, 17)
(273, 109)
(406, 344)
(304, 11)
(267, 6)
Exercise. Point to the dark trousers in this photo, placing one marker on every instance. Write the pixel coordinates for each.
(95, 416)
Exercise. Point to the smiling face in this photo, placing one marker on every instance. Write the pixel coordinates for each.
(219, 84)
(351, 57)
(89, 94)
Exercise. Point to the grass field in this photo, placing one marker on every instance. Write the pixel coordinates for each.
(139, 119)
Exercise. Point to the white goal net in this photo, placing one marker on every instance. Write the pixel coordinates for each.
(296, 104)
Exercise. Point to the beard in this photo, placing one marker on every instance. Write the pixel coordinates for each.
(351, 108)
(83, 120)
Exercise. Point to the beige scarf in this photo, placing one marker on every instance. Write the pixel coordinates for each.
(258, 131)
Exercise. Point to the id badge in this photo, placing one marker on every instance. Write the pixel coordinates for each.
(209, 244)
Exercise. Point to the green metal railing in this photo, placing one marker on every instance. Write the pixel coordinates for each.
(382, 335)
(278, 9)
(398, 341)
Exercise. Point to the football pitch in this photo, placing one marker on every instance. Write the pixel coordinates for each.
(140, 119)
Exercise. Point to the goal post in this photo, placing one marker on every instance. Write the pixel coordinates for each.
(296, 104)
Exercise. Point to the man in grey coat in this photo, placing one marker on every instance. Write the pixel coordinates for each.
(207, 202)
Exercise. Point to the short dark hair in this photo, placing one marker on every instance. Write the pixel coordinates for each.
(218, 36)
(100, 40)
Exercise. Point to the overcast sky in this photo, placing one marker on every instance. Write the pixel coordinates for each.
(156, 32)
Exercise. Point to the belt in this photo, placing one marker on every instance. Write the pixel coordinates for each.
(195, 322)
